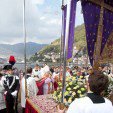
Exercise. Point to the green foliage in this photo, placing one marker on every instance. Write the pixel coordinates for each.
(33, 58)
(79, 42)
(50, 48)
(80, 37)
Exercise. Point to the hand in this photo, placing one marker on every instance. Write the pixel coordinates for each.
(14, 93)
(5, 92)
(61, 111)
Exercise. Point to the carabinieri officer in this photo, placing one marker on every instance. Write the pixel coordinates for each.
(11, 85)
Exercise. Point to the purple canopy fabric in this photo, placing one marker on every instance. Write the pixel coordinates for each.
(71, 28)
(109, 2)
(107, 28)
(91, 14)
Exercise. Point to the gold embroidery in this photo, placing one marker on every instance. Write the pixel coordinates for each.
(99, 39)
(106, 6)
(107, 54)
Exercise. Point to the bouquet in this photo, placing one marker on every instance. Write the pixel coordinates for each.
(74, 88)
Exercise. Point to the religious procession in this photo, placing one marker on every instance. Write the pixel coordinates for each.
(73, 74)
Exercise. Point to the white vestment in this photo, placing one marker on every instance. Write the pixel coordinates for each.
(46, 69)
(85, 105)
(37, 73)
(42, 72)
(31, 88)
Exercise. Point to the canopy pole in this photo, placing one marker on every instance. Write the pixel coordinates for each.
(65, 50)
(63, 60)
(24, 32)
(62, 38)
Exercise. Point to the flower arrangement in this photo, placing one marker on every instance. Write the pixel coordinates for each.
(74, 88)
(109, 90)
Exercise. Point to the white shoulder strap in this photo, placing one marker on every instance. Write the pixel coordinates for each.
(14, 78)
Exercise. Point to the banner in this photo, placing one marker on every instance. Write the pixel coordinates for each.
(107, 27)
(91, 14)
(70, 27)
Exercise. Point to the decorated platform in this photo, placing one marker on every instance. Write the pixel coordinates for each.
(41, 104)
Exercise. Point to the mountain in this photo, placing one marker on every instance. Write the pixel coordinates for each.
(18, 49)
(54, 47)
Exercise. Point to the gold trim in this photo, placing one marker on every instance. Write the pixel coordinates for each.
(34, 106)
(107, 53)
(69, 60)
(106, 6)
(99, 38)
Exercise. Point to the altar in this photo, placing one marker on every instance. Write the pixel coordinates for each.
(41, 104)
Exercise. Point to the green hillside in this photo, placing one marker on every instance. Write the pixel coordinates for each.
(80, 38)
(54, 47)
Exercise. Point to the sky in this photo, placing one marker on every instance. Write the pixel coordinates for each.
(43, 20)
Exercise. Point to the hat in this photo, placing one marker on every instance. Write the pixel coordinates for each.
(7, 67)
(12, 60)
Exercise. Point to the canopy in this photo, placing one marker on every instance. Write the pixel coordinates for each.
(98, 18)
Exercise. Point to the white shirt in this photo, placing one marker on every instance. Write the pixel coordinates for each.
(85, 105)
(31, 88)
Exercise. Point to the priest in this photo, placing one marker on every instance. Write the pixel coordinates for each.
(32, 88)
(94, 102)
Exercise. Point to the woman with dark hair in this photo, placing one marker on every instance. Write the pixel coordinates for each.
(94, 102)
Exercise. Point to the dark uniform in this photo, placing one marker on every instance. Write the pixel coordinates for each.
(11, 85)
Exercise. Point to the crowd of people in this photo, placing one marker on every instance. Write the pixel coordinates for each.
(93, 102)
(14, 83)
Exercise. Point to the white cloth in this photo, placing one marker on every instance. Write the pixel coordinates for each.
(45, 86)
(37, 73)
(2, 81)
(68, 74)
(14, 93)
(31, 88)
(42, 72)
(46, 69)
(85, 105)
(2, 100)
(55, 74)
